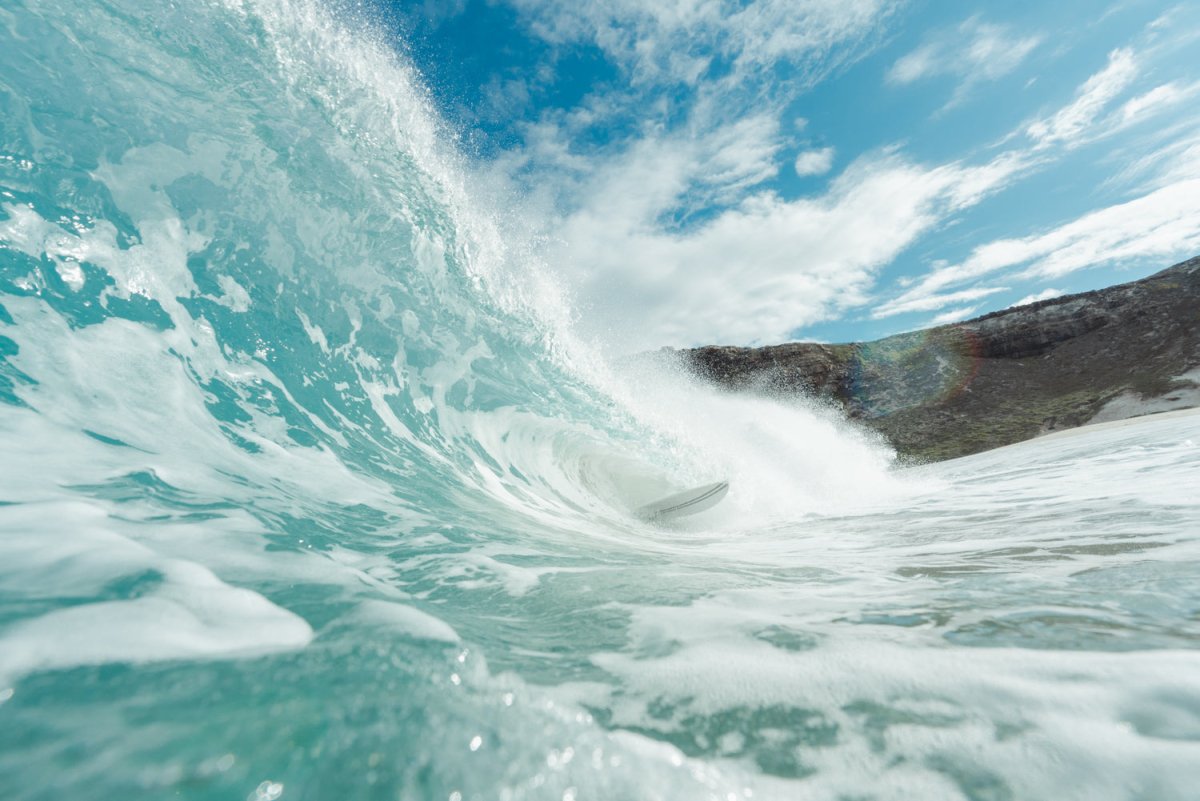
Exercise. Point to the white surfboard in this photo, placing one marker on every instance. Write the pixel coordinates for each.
(688, 502)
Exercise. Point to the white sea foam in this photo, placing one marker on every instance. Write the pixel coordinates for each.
(990, 632)
(405, 620)
(183, 611)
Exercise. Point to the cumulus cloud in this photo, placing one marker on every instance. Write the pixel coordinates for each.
(975, 51)
(814, 162)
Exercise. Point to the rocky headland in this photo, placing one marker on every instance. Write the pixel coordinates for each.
(1007, 376)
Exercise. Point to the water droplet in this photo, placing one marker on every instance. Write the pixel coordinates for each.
(267, 791)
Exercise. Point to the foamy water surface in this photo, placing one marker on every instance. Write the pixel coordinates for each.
(307, 492)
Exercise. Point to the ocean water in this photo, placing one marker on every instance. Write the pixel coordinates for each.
(307, 491)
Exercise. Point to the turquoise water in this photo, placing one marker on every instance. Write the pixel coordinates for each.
(307, 492)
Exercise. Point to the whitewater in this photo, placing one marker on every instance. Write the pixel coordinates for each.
(307, 491)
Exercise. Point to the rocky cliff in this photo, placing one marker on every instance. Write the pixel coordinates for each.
(1004, 377)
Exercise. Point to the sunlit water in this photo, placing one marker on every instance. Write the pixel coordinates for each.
(307, 493)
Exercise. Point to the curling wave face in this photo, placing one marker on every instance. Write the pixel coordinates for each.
(306, 492)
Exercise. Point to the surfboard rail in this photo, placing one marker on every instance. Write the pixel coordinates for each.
(688, 502)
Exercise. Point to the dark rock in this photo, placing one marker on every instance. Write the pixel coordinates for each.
(1004, 377)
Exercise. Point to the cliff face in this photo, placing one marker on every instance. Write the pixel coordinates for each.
(1004, 377)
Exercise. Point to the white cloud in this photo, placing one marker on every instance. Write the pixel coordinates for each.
(767, 266)
(671, 174)
(1163, 224)
(1168, 154)
(918, 64)
(1157, 98)
(675, 41)
(953, 316)
(504, 98)
(975, 51)
(729, 122)
(1045, 294)
(1088, 117)
(993, 53)
(666, 236)
(814, 162)
(1183, 161)
(933, 301)
(651, 222)
(1069, 126)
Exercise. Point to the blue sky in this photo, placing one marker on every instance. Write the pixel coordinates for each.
(701, 172)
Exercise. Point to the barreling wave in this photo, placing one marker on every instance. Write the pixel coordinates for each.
(273, 384)
(255, 202)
